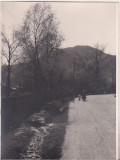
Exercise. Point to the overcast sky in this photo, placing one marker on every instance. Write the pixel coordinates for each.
(80, 23)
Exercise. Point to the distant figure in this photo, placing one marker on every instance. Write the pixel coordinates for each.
(79, 97)
(83, 95)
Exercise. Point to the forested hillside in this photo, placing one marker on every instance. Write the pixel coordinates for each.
(71, 69)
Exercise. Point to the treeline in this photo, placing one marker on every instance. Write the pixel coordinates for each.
(34, 63)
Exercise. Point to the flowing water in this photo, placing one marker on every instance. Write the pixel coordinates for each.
(37, 137)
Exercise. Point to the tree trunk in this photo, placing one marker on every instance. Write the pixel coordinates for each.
(35, 73)
(97, 75)
(73, 70)
(8, 81)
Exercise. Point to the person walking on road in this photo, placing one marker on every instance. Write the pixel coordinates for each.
(83, 95)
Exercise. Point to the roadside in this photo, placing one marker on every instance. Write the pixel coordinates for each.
(40, 136)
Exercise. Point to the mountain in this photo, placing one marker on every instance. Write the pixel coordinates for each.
(78, 49)
(78, 52)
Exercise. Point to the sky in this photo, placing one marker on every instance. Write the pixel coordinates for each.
(80, 23)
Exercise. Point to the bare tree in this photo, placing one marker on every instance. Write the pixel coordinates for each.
(9, 48)
(97, 57)
(39, 36)
(74, 67)
(79, 64)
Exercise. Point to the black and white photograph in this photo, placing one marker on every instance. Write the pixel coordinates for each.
(58, 80)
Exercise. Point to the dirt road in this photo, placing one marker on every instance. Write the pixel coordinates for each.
(91, 129)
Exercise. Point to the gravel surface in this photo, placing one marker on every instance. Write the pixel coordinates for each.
(91, 129)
